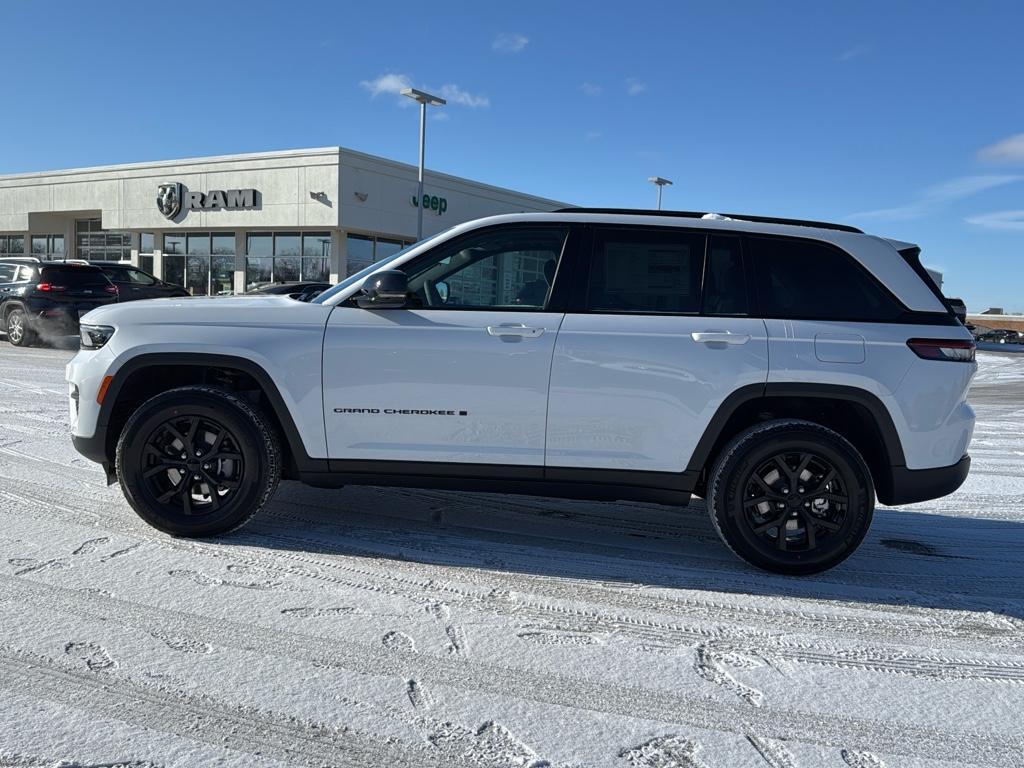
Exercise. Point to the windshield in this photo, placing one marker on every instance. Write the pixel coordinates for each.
(355, 278)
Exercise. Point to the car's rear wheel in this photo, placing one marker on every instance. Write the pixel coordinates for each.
(198, 461)
(791, 497)
(18, 331)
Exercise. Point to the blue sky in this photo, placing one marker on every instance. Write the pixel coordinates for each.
(903, 118)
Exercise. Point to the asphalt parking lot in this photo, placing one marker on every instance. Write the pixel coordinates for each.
(370, 626)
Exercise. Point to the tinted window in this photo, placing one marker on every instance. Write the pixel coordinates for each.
(508, 268)
(802, 279)
(646, 271)
(725, 284)
(73, 276)
(7, 273)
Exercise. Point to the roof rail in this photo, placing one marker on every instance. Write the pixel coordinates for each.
(701, 214)
(22, 259)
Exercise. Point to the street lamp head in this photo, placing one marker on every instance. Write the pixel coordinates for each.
(423, 97)
(659, 181)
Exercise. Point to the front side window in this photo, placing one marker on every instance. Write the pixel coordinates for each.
(805, 279)
(646, 271)
(500, 269)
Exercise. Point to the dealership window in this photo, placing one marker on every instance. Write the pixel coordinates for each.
(285, 257)
(203, 262)
(147, 242)
(48, 247)
(12, 245)
(94, 243)
(363, 250)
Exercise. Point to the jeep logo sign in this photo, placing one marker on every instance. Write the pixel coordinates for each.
(432, 203)
(172, 199)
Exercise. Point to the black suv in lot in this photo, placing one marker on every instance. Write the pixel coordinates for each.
(45, 299)
(133, 283)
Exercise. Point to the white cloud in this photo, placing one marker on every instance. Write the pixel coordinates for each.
(439, 115)
(393, 83)
(455, 95)
(1004, 220)
(592, 89)
(1009, 150)
(853, 53)
(509, 43)
(634, 86)
(937, 197)
(389, 83)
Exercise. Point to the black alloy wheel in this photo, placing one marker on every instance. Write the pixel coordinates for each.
(198, 461)
(791, 497)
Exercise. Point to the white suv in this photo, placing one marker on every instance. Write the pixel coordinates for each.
(786, 371)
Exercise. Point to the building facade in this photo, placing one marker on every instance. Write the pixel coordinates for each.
(227, 224)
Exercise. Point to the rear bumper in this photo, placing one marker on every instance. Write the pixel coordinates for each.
(906, 486)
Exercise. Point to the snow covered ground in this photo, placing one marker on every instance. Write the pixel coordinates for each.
(374, 627)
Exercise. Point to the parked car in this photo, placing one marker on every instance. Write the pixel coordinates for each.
(45, 299)
(298, 291)
(1001, 336)
(776, 368)
(133, 283)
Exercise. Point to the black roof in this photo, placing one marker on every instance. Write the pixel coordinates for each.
(701, 214)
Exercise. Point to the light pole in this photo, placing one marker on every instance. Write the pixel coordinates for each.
(435, 101)
(659, 183)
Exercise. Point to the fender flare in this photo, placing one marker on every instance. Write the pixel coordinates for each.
(302, 460)
(882, 418)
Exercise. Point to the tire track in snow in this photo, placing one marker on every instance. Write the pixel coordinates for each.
(206, 719)
(838, 731)
(648, 632)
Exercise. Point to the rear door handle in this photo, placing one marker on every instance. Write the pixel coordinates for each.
(519, 330)
(720, 337)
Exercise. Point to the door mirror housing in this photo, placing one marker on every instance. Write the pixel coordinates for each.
(384, 290)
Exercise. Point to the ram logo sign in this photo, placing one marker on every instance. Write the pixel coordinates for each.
(173, 198)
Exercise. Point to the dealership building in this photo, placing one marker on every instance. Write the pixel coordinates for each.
(227, 224)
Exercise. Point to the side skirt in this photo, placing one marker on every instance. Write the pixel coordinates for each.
(569, 483)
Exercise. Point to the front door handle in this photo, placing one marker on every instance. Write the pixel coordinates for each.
(720, 337)
(519, 330)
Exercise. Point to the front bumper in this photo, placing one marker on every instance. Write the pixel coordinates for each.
(906, 486)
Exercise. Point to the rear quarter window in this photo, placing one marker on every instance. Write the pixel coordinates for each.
(802, 279)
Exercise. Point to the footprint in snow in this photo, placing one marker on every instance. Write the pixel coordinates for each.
(311, 613)
(398, 641)
(664, 752)
(861, 759)
(95, 656)
(491, 745)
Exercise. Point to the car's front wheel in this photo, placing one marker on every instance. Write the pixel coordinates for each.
(198, 461)
(791, 497)
(18, 331)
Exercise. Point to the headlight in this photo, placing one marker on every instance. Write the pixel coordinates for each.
(94, 336)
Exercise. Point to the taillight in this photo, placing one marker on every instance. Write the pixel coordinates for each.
(953, 350)
(111, 289)
(48, 287)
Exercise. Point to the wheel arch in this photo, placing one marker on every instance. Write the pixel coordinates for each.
(149, 374)
(858, 415)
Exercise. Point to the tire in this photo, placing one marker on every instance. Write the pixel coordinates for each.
(18, 331)
(157, 462)
(818, 526)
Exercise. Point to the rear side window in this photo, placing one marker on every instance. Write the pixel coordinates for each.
(7, 272)
(654, 271)
(800, 279)
(73, 276)
(725, 282)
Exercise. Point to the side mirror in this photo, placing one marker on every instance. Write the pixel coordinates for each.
(384, 290)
